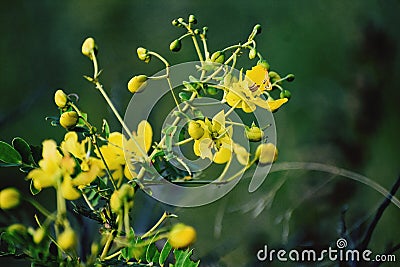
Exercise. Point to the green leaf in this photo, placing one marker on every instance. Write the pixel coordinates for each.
(24, 150)
(36, 152)
(150, 252)
(182, 258)
(34, 191)
(164, 253)
(8, 154)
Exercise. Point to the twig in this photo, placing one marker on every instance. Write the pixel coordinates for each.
(363, 245)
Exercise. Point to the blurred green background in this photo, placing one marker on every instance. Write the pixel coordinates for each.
(344, 109)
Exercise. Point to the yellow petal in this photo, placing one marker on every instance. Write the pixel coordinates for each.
(145, 130)
(205, 148)
(222, 156)
(232, 99)
(241, 154)
(68, 191)
(129, 173)
(85, 178)
(248, 106)
(257, 74)
(50, 151)
(218, 121)
(275, 104)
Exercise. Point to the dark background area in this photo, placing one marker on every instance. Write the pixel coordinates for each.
(344, 109)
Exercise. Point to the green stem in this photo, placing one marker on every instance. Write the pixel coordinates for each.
(160, 221)
(184, 142)
(104, 161)
(110, 239)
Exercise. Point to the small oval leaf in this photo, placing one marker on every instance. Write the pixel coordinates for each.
(8, 154)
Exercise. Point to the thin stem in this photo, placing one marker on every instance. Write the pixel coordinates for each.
(40, 208)
(126, 217)
(196, 45)
(110, 239)
(113, 255)
(232, 108)
(87, 200)
(204, 40)
(104, 161)
(160, 221)
(184, 142)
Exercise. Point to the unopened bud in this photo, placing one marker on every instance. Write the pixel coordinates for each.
(252, 53)
(263, 63)
(60, 98)
(195, 130)
(218, 57)
(88, 47)
(175, 45)
(143, 54)
(175, 22)
(254, 133)
(192, 19)
(137, 83)
(290, 78)
(266, 153)
(274, 77)
(257, 29)
(69, 119)
(285, 94)
(181, 236)
(9, 198)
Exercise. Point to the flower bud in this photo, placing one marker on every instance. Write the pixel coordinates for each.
(181, 20)
(266, 153)
(38, 235)
(9, 198)
(60, 98)
(285, 94)
(137, 83)
(175, 45)
(195, 130)
(290, 78)
(257, 29)
(196, 31)
(69, 119)
(254, 133)
(263, 63)
(252, 53)
(115, 201)
(175, 22)
(192, 19)
(143, 54)
(17, 228)
(181, 236)
(273, 76)
(126, 191)
(67, 240)
(218, 57)
(88, 47)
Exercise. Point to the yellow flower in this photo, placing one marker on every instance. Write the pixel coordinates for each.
(9, 198)
(125, 193)
(266, 153)
(247, 94)
(38, 235)
(216, 142)
(113, 152)
(181, 236)
(50, 167)
(259, 79)
(195, 130)
(73, 146)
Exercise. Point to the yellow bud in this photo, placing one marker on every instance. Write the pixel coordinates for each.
(266, 153)
(69, 119)
(89, 46)
(116, 201)
(67, 240)
(60, 98)
(195, 130)
(181, 236)
(137, 83)
(17, 228)
(9, 198)
(254, 134)
(38, 235)
(175, 45)
(126, 191)
(143, 54)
